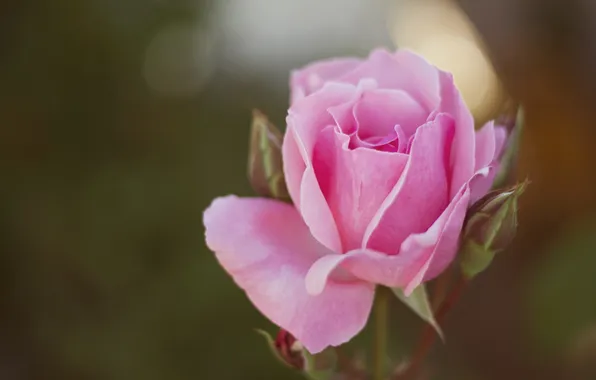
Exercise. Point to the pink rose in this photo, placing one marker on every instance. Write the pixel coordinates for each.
(382, 161)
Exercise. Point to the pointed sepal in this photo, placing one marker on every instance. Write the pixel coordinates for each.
(265, 166)
(419, 303)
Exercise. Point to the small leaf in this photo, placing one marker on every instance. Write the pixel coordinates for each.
(265, 165)
(419, 303)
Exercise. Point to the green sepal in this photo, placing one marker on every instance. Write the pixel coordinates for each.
(265, 165)
(419, 303)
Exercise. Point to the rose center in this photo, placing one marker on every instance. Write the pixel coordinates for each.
(394, 141)
(383, 120)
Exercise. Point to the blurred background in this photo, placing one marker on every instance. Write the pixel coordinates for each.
(121, 120)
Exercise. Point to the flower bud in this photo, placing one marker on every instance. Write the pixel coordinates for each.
(490, 227)
(265, 168)
(292, 353)
(285, 348)
(289, 349)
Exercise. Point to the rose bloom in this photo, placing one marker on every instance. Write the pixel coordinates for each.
(381, 160)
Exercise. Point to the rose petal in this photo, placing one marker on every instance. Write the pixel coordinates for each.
(316, 212)
(306, 118)
(500, 140)
(463, 152)
(422, 256)
(343, 116)
(437, 247)
(482, 182)
(446, 248)
(403, 70)
(267, 249)
(293, 166)
(378, 112)
(368, 265)
(395, 142)
(485, 145)
(421, 193)
(354, 182)
(374, 118)
(312, 77)
(489, 143)
(490, 140)
(309, 115)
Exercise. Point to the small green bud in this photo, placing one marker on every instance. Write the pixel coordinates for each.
(490, 227)
(265, 166)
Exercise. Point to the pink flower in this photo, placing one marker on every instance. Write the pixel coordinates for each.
(382, 161)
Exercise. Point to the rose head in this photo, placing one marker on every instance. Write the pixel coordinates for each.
(381, 161)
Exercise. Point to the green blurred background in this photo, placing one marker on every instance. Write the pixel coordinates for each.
(121, 120)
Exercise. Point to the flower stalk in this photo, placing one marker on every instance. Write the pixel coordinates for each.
(428, 336)
(380, 335)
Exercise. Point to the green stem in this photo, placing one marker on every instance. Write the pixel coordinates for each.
(441, 288)
(428, 336)
(380, 344)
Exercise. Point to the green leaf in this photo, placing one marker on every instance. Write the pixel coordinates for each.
(418, 302)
